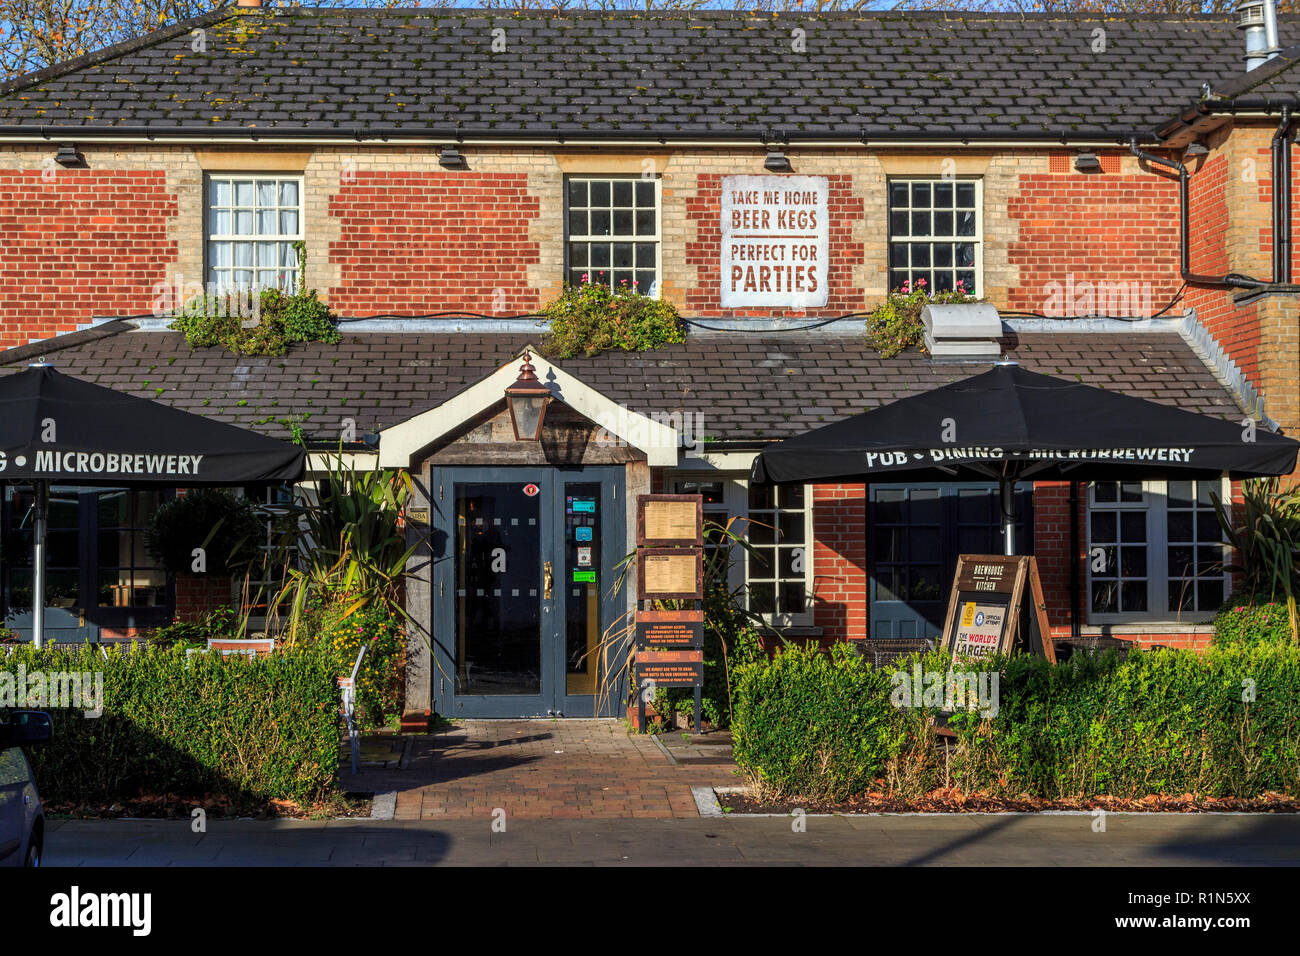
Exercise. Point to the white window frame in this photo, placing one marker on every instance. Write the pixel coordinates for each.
(977, 239)
(1154, 505)
(267, 545)
(209, 236)
(656, 239)
(735, 503)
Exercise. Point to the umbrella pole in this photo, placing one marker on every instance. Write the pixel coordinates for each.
(42, 490)
(1008, 491)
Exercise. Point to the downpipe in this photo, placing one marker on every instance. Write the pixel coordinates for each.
(1280, 147)
(1232, 280)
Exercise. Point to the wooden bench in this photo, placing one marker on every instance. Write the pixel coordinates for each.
(252, 647)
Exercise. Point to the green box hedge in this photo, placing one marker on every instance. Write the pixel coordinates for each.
(1262, 622)
(815, 725)
(248, 730)
(1225, 723)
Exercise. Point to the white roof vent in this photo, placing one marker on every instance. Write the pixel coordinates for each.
(969, 331)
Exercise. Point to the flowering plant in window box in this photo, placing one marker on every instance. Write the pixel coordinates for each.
(895, 324)
(592, 317)
(259, 321)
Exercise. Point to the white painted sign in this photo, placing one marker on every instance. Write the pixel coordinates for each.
(775, 245)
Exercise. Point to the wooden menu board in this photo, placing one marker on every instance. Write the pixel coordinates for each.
(664, 521)
(670, 574)
(670, 567)
(996, 605)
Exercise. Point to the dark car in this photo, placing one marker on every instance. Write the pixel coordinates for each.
(22, 818)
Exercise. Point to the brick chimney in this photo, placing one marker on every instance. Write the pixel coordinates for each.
(248, 3)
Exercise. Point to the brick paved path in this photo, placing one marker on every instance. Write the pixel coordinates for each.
(552, 769)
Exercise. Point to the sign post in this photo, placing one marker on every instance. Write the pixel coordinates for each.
(669, 649)
(996, 604)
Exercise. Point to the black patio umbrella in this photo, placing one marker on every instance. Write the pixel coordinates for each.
(57, 428)
(1010, 424)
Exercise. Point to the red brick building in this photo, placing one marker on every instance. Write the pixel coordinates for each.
(448, 172)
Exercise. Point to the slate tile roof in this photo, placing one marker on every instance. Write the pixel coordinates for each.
(1277, 79)
(748, 387)
(727, 74)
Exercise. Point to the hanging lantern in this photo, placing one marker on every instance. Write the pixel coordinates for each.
(527, 399)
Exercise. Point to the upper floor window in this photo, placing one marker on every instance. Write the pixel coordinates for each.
(253, 223)
(934, 234)
(1155, 550)
(613, 232)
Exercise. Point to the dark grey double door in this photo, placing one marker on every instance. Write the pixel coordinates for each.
(524, 562)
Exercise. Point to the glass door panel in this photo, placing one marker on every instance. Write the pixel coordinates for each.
(498, 589)
(65, 618)
(582, 580)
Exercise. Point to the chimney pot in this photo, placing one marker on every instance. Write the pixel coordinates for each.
(1258, 20)
(248, 3)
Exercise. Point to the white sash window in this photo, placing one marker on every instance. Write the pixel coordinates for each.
(252, 225)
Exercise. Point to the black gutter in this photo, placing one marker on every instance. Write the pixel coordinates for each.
(1266, 105)
(1232, 280)
(855, 135)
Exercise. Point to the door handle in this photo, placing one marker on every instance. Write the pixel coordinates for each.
(548, 581)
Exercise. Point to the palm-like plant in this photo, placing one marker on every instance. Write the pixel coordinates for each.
(1266, 541)
(345, 545)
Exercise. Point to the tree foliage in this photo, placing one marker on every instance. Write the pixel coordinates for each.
(37, 33)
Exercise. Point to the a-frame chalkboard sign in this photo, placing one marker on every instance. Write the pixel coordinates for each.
(996, 605)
